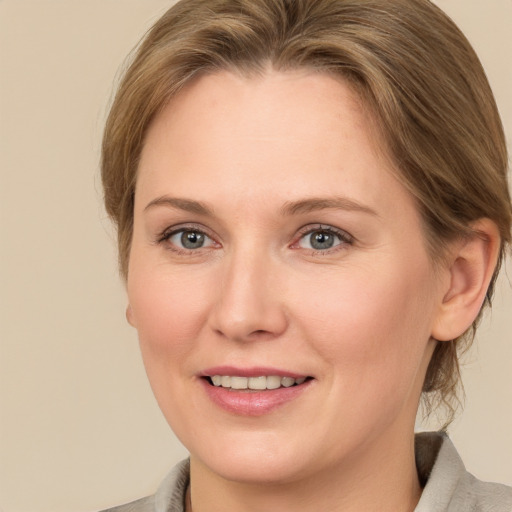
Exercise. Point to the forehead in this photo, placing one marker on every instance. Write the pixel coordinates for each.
(224, 99)
(300, 131)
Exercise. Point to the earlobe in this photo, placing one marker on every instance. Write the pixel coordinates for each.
(129, 315)
(472, 266)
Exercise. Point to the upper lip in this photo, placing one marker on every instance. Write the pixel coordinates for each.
(253, 371)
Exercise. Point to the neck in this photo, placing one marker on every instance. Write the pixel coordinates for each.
(380, 478)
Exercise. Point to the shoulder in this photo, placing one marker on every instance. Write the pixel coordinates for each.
(142, 505)
(170, 496)
(449, 487)
(486, 496)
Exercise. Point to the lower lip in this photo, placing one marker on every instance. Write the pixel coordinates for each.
(252, 403)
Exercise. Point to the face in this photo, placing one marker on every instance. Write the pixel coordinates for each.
(278, 278)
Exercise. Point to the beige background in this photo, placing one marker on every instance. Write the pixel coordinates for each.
(79, 428)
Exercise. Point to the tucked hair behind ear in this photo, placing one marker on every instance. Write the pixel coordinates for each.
(411, 66)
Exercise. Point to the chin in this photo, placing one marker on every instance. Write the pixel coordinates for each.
(264, 458)
(258, 470)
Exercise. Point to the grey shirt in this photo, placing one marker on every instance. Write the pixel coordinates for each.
(448, 487)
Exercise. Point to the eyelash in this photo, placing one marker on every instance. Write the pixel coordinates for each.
(167, 234)
(343, 237)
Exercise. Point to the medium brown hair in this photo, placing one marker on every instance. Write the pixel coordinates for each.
(410, 64)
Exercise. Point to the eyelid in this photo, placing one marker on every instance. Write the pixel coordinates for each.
(345, 237)
(165, 235)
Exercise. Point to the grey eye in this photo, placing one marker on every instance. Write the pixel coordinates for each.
(320, 240)
(190, 239)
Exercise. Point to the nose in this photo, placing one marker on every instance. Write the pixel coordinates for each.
(250, 300)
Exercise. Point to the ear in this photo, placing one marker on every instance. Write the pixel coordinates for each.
(472, 264)
(129, 316)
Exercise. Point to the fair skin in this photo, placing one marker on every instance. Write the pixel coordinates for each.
(272, 237)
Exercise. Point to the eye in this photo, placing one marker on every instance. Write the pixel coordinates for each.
(188, 239)
(323, 239)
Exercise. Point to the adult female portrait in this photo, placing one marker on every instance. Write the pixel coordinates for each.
(312, 209)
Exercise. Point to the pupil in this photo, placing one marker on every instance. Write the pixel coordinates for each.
(321, 240)
(192, 239)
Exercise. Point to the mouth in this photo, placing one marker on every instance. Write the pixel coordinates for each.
(258, 383)
(253, 391)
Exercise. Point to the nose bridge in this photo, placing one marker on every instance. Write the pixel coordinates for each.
(249, 304)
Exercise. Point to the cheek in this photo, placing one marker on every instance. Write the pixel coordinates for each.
(169, 310)
(169, 314)
(372, 326)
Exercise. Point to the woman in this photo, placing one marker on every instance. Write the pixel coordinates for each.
(312, 210)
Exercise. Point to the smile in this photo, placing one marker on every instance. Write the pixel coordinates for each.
(260, 383)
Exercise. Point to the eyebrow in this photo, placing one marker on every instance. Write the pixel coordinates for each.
(323, 203)
(289, 208)
(188, 205)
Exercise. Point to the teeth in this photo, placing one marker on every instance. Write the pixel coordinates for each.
(287, 381)
(239, 382)
(217, 380)
(273, 382)
(255, 383)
